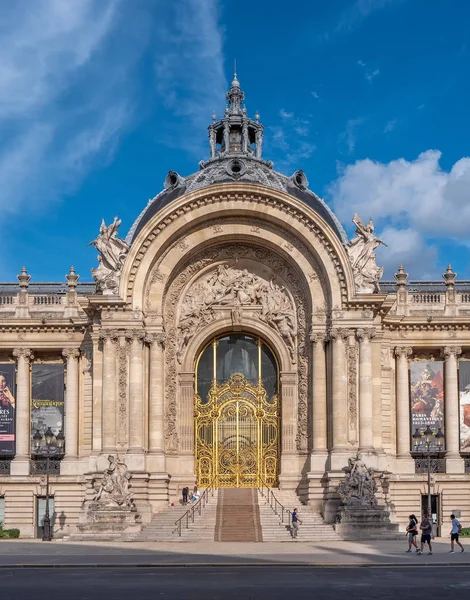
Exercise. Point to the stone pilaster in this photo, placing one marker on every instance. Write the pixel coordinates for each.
(318, 407)
(339, 390)
(403, 408)
(71, 403)
(454, 462)
(110, 340)
(289, 477)
(20, 465)
(136, 391)
(366, 408)
(156, 457)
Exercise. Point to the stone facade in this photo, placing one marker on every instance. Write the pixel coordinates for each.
(130, 341)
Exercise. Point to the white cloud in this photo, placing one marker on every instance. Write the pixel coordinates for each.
(285, 115)
(349, 135)
(414, 200)
(390, 126)
(407, 247)
(57, 111)
(370, 75)
(190, 68)
(316, 95)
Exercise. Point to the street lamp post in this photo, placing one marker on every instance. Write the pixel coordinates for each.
(428, 442)
(53, 450)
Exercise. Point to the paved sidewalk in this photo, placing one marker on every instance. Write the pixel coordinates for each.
(75, 554)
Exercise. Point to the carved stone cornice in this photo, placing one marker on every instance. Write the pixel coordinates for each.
(449, 351)
(25, 353)
(365, 333)
(71, 353)
(403, 351)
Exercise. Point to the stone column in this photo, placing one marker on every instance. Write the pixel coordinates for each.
(319, 413)
(366, 407)
(136, 391)
(403, 402)
(110, 339)
(454, 462)
(71, 402)
(20, 465)
(339, 392)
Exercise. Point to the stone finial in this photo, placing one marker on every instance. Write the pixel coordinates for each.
(24, 279)
(449, 276)
(72, 279)
(401, 277)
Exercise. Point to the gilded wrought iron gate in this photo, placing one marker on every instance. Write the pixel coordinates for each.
(237, 435)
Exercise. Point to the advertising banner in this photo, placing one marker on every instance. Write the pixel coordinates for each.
(427, 395)
(464, 394)
(47, 399)
(7, 409)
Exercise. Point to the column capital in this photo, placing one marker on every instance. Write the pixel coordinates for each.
(109, 335)
(25, 353)
(338, 334)
(134, 335)
(71, 353)
(155, 338)
(363, 334)
(317, 336)
(449, 351)
(403, 351)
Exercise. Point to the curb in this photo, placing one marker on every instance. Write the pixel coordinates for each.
(230, 564)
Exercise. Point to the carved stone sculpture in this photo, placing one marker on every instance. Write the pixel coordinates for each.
(113, 491)
(362, 257)
(236, 289)
(113, 252)
(358, 486)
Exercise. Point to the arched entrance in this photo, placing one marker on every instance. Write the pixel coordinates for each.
(237, 413)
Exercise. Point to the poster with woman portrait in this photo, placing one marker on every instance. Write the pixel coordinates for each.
(427, 395)
(7, 409)
(464, 397)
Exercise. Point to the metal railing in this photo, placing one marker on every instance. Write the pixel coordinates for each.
(189, 515)
(279, 509)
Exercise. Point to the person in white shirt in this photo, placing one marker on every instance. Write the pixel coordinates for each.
(454, 534)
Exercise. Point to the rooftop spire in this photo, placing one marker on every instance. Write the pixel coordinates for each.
(236, 134)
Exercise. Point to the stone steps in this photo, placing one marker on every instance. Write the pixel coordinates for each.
(238, 516)
(162, 526)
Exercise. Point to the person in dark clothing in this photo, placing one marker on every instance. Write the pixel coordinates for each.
(185, 495)
(412, 533)
(426, 534)
(295, 523)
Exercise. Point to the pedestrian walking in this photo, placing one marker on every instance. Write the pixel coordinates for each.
(454, 534)
(426, 534)
(185, 495)
(295, 523)
(412, 533)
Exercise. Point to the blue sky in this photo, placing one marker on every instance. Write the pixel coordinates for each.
(100, 98)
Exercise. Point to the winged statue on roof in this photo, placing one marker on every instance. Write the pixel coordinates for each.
(362, 256)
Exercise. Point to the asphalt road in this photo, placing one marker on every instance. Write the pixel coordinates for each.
(242, 583)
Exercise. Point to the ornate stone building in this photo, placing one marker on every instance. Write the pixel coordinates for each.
(235, 338)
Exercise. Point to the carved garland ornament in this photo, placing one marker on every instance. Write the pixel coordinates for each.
(223, 199)
(172, 298)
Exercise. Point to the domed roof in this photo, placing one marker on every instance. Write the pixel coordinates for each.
(235, 155)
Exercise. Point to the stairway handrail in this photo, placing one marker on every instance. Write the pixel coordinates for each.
(277, 507)
(199, 505)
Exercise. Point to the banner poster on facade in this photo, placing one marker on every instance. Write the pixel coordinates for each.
(7, 409)
(47, 399)
(464, 394)
(427, 395)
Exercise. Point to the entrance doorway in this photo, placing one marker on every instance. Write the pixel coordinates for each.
(435, 512)
(237, 413)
